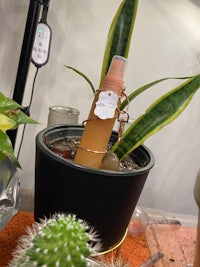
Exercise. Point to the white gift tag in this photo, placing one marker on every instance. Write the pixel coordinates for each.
(106, 105)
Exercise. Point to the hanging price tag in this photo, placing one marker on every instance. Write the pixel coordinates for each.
(106, 105)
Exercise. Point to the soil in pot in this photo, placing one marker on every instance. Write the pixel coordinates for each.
(66, 148)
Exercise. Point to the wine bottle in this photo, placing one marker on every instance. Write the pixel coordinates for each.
(102, 116)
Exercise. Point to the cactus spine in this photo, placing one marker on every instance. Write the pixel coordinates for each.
(61, 241)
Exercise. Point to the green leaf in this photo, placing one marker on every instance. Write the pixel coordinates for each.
(147, 86)
(7, 103)
(84, 76)
(160, 113)
(10, 114)
(120, 33)
(119, 37)
(6, 123)
(20, 117)
(10, 118)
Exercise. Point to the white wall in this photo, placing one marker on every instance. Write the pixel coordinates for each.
(166, 42)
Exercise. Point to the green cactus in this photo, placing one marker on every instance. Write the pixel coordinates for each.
(61, 241)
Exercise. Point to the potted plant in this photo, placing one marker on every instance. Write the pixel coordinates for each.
(63, 240)
(11, 116)
(105, 198)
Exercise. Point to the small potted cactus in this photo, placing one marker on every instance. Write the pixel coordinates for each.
(62, 240)
(107, 198)
(66, 241)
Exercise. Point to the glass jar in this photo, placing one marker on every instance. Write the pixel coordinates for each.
(62, 115)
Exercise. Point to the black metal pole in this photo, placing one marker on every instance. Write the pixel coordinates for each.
(25, 57)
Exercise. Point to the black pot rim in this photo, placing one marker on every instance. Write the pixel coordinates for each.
(52, 155)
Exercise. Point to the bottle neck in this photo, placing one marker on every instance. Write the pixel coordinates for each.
(112, 84)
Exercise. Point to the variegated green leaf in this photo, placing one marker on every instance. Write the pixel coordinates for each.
(120, 33)
(7, 103)
(160, 113)
(10, 118)
(147, 86)
(6, 123)
(19, 117)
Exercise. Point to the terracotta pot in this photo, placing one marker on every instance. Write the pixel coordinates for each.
(105, 199)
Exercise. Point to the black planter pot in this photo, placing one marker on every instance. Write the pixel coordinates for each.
(105, 199)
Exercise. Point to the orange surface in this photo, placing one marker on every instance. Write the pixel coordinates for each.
(134, 249)
(176, 242)
(10, 234)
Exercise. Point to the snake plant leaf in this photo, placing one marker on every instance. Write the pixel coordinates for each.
(120, 33)
(147, 86)
(118, 39)
(162, 112)
(6, 148)
(83, 75)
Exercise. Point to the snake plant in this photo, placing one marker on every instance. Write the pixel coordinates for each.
(165, 109)
(11, 116)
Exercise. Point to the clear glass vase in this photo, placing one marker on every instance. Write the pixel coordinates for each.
(9, 191)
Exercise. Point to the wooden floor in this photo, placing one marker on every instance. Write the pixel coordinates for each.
(176, 242)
